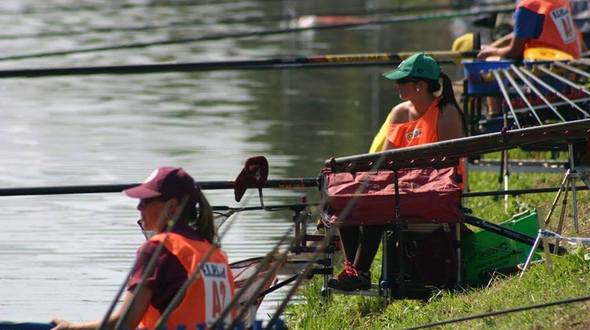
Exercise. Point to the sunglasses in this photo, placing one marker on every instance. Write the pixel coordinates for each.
(140, 224)
(406, 80)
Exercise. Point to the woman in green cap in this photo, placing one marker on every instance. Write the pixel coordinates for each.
(429, 113)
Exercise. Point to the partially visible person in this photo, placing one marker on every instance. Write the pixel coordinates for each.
(161, 197)
(538, 23)
(428, 114)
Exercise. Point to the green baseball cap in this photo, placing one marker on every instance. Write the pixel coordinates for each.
(418, 65)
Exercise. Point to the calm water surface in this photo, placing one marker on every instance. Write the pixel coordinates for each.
(66, 255)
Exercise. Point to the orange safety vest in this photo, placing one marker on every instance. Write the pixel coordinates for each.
(420, 131)
(207, 296)
(559, 31)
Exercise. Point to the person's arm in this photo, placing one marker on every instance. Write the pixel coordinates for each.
(514, 50)
(450, 123)
(399, 114)
(502, 42)
(132, 321)
(380, 138)
(527, 25)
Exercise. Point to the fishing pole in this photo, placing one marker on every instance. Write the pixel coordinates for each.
(255, 295)
(516, 192)
(112, 188)
(285, 62)
(150, 266)
(442, 153)
(264, 32)
(238, 20)
(501, 312)
(36, 10)
(277, 286)
(250, 302)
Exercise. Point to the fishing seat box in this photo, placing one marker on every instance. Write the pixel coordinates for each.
(368, 198)
(429, 204)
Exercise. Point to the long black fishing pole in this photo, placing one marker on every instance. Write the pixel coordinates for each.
(516, 192)
(502, 312)
(205, 185)
(255, 295)
(442, 153)
(314, 61)
(112, 6)
(238, 20)
(263, 32)
(507, 232)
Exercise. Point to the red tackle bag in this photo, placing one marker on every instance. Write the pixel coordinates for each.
(425, 195)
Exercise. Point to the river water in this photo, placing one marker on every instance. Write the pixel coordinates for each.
(67, 255)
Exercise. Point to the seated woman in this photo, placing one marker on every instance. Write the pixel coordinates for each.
(428, 114)
(169, 192)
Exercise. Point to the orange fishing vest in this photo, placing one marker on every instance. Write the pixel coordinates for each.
(420, 131)
(559, 31)
(209, 294)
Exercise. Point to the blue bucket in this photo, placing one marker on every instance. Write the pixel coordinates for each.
(480, 80)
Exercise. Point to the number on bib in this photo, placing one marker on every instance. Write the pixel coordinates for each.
(217, 290)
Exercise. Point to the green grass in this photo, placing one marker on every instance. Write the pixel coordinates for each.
(569, 278)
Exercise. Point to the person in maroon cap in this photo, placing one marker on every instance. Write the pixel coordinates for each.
(166, 193)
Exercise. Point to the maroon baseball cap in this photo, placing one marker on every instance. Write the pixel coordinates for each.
(168, 182)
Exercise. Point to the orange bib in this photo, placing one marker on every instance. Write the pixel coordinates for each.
(208, 295)
(559, 31)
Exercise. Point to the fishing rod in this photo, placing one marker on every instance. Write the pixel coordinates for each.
(36, 10)
(507, 232)
(516, 192)
(256, 295)
(500, 312)
(314, 61)
(264, 32)
(112, 188)
(447, 153)
(240, 20)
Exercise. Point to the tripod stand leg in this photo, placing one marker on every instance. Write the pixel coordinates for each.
(546, 252)
(530, 256)
(573, 177)
(562, 215)
(561, 188)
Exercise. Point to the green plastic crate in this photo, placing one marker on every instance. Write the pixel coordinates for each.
(485, 252)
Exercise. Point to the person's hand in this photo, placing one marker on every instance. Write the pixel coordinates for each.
(486, 52)
(61, 324)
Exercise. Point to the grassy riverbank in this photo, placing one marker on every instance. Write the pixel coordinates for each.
(570, 278)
